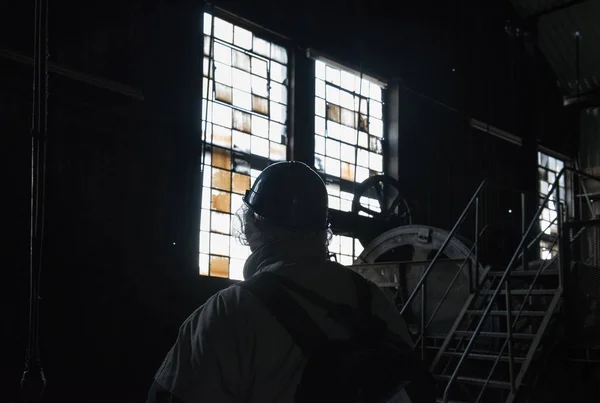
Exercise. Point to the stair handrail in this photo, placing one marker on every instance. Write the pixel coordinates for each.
(508, 270)
(433, 261)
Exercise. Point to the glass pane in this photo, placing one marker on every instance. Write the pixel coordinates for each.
(259, 86)
(260, 105)
(260, 126)
(348, 117)
(320, 163)
(320, 126)
(278, 72)
(259, 67)
(376, 127)
(241, 183)
(348, 153)
(333, 130)
(205, 215)
(362, 174)
(221, 179)
(347, 171)
(332, 75)
(279, 53)
(242, 121)
(333, 112)
(222, 115)
(219, 266)
(205, 240)
(320, 145)
(376, 109)
(345, 205)
(375, 92)
(278, 112)
(207, 45)
(242, 99)
(207, 24)
(332, 94)
(221, 158)
(348, 81)
(222, 53)
(376, 162)
(319, 69)
(276, 132)
(363, 158)
(334, 202)
(241, 79)
(222, 73)
(237, 201)
(206, 69)
(333, 148)
(223, 30)
(332, 167)
(320, 88)
(347, 100)
(204, 264)
(278, 152)
(223, 93)
(348, 134)
(242, 38)
(241, 141)
(278, 93)
(220, 201)
(375, 145)
(219, 222)
(544, 187)
(260, 146)
(241, 60)
(334, 246)
(261, 47)
(221, 136)
(358, 248)
(319, 107)
(363, 140)
(543, 160)
(559, 165)
(219, 244)
(363, 86)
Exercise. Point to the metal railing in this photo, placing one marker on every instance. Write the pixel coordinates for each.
(520, 252)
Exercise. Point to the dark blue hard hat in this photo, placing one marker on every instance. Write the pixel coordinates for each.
(290, 195)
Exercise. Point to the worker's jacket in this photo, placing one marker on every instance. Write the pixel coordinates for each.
(231, 349)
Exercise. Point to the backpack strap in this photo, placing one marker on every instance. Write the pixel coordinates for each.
(305, 332)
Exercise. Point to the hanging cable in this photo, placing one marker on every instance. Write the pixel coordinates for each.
(33, 381)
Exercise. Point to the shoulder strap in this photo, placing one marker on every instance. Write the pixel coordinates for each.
(305, 332)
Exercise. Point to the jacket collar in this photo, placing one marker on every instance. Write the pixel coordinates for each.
(283, 252)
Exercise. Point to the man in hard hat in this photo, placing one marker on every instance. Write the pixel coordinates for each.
(301, 328)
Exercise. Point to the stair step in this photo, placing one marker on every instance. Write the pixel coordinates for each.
(520, 292)
(524, 273)
(475, 381)
(484, 357)
(521, 336)
(514, 313)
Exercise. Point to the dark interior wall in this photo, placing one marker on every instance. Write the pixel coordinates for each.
(119, 274)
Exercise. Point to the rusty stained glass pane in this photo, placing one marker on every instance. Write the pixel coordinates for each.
(241, 183)
(260, 105)
(219, 266)
(221, 158)
(242, 121)
(241, 60)
(220, 201)
(221, 179)
(278, 152)
(221, 136)
(333, 112)
(223, 93)
(347, 171)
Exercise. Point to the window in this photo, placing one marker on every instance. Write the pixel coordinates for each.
(348, 141)
(244, 107)
(548, 169)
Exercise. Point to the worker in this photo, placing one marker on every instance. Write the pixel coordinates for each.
(292, 331)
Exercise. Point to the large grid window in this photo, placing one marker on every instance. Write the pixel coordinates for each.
(348, 124)
(244, 105)
(548, 169)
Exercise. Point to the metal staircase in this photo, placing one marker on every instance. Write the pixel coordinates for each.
(511, 318)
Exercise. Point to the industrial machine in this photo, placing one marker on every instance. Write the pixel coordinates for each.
(485, 328)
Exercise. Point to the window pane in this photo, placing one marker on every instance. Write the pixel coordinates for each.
(204, 259)
(219, 222)
(241, 183)
(219, 266)
(242, 38)
(319, 144)
(219, 244)
(278, 152)
(320, 69)
(221, 179)
(223, 30)
(278, 72)
(241, 60)
(260, 126)
(259, 67)
(241, 79)
(261, 47)
(279, 53)
(320, 107)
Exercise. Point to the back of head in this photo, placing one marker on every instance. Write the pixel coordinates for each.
(288, 201)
